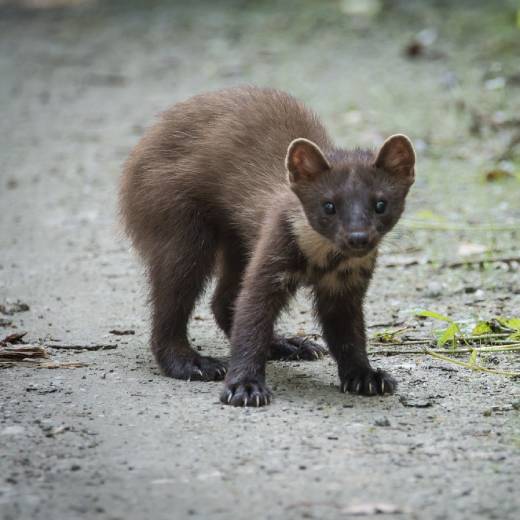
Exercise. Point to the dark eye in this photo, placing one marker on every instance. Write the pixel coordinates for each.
(329, 208)
(380, 206)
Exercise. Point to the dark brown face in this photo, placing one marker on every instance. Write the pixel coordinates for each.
(352, 199)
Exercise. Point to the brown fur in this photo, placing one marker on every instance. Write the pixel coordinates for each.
(206, 191)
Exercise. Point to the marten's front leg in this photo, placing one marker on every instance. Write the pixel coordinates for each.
(343, 324)
(256, 309)
(262, 296)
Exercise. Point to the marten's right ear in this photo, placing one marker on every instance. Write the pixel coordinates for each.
(305, 161)
(397, 156)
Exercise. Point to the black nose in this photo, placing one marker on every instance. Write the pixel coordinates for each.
(358, 239)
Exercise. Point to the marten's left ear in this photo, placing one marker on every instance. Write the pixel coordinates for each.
(305, 161)
(397, 156)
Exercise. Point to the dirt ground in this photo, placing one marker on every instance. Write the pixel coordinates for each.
(115, 440)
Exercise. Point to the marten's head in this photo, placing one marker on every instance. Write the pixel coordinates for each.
(352, 198)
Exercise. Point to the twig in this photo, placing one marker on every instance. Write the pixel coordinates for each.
(33, 363)
(469, 366)
(72, 346)
(386, 324)
(454, 264)
(490, 335)
(65, 364)
(466, 339)
(481, 261)
(451, 226)
(500, 348)
(403, 342)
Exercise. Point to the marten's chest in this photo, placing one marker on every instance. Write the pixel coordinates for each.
(325, 267)
(347, 275)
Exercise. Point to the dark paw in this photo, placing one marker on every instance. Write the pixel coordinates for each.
(368, 382)
(197, 368)
(290, 349)
(247, 393)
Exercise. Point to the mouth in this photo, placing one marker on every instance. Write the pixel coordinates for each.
(357, 252)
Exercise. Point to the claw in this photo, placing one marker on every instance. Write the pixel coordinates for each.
(246, 401)
(316, 355)
(382, 386)
(230, 396)
(257, 401)
(358, 386)
(370, 388)
(199, 371)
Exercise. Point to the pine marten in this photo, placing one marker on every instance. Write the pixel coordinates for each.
(245, 184)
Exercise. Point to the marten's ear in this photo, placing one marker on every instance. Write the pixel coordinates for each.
(397, 156)
(305, 160)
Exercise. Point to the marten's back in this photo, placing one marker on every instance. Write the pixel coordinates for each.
(218, 155)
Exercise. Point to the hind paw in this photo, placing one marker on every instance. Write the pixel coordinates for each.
(197, 368)
(296, 348)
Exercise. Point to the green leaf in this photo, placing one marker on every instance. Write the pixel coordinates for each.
(473, 357)
(482, 327)
(427, 214)
(434, 315)
(449, 335)
(510, 323)
(388, 335)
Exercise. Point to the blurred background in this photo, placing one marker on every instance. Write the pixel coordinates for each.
(80, 80)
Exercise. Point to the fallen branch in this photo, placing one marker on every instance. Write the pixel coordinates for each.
(21, 352)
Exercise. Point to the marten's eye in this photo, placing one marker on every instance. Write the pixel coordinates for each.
(380, 206)
(329, 208)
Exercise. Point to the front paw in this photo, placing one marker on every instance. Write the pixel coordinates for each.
(367, 381)
(249, 392)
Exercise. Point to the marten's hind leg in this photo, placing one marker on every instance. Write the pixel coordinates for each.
(232, 266)
(178, 275)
